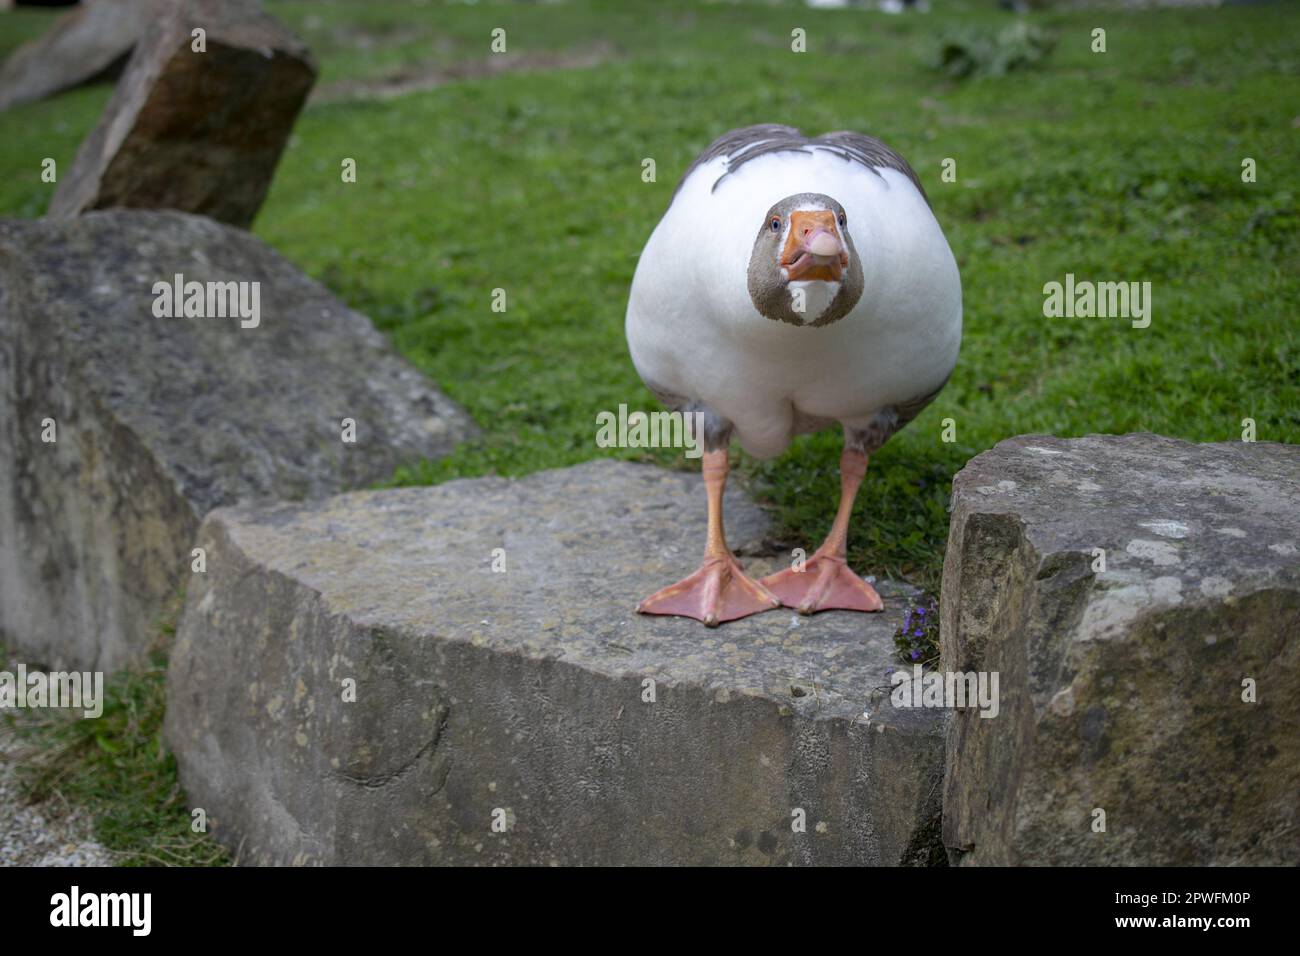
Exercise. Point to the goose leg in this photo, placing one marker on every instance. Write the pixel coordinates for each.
(826, 581)
(720, 590)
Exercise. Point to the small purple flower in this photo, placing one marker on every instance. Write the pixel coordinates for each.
(916, 655)
(916, 633)
(920, 612)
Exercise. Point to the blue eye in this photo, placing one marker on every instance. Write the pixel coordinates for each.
(776, 223)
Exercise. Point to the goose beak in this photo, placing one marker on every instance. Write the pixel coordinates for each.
(813, 249)
(824, 245)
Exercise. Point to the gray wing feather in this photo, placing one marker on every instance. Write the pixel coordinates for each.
(741, 145)
(913, 407)
(889, 420)
(870, 152)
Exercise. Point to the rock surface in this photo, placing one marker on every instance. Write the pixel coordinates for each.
(159, 420)
(90, 41)
(521, 693)
(1122, 689)
(200, 132)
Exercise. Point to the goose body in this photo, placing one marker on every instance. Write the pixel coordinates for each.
(697, 338)
(793, 283)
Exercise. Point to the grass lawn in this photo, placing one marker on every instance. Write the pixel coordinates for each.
(1123, 165)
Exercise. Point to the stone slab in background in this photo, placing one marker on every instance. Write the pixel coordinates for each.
(1122, 690)
(160, 420)
(200, 132)
(522, 691)
(89, 42)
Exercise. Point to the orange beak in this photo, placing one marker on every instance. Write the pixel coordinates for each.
(813, 249)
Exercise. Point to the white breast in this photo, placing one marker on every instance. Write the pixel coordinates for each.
(694, 331)
(815, 297)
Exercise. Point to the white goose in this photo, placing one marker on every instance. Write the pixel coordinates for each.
(792, 283)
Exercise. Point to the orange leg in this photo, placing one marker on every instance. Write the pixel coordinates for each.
(826, 580)
(720, 590)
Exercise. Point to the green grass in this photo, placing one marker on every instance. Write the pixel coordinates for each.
(116, 768)
(1124, 165)
(1121, 166)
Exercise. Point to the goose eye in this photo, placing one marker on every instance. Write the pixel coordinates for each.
(776, 223)
(843, 220)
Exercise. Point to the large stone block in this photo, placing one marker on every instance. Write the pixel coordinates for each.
(159, 420)
(1122, 688)
(524, 692)
(195, 130)
(90, 41)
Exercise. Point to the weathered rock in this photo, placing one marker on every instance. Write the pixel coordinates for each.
(196, 131)
(90, 42)
(1122, 689)
(523, 692)
(158, 420)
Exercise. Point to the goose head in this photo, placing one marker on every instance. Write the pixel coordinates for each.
(803, 268)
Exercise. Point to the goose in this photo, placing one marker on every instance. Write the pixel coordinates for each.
(793, 283)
